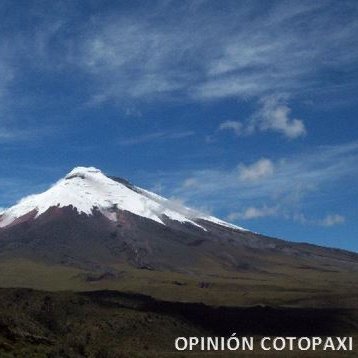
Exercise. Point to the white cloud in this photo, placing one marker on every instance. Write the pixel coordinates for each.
(253, 213)
(6, 75)
(150, 137)
(190, 183)
(133, 112)
(273, 115)
(332, 219)
(256, 171)
(6, 135)
(9, 134)
(236, 126)
(130, 57)
(328, 221)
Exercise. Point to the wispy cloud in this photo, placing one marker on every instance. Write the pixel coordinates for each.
(205, 54)
(256, 171)
(152, 137)
(246, 51)
(253, 213)
(333, 219)
(6, 75)
(191, 183)
(235, 126)
(327, 221)
(12, 134)
(8, 135)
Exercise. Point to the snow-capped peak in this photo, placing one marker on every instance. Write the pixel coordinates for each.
(83, 171)
(87, 188)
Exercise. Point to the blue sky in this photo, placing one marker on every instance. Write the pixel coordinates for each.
(247, 110)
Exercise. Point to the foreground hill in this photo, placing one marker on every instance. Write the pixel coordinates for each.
(112, 324)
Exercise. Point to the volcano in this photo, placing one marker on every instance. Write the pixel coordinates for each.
(91, 231)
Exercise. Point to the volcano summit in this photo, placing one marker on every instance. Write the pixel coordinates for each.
(87, 190)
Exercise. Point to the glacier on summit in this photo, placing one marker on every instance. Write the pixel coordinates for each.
(87, 189)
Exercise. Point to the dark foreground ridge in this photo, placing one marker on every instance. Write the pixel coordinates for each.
(256, 320)
(113, 324)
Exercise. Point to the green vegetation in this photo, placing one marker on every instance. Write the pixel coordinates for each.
(305, 287)
(109, 324)
(41, 324)
(72, 313)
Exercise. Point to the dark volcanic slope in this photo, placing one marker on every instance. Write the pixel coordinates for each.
(61, 236)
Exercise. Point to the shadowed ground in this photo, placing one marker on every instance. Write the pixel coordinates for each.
(113, 324)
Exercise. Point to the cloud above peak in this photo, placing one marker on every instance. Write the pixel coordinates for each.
(273, 115)
(256, 171)
(333, 219)
(155, 137)
(253, 212)
(235, 126)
